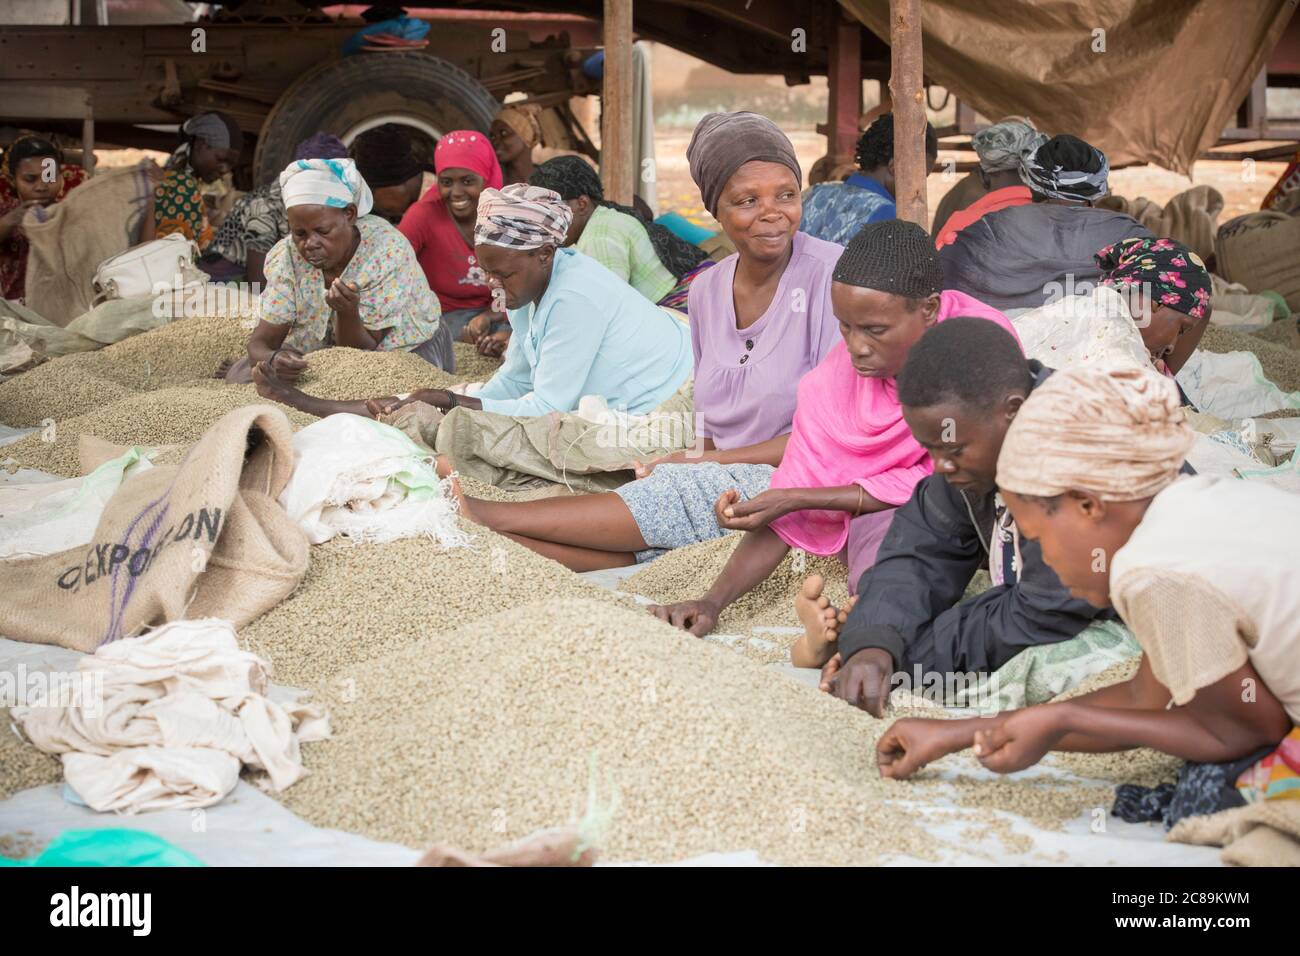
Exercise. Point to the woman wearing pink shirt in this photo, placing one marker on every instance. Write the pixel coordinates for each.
(851, 458)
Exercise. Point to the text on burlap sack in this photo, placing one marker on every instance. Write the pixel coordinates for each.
(105, 560)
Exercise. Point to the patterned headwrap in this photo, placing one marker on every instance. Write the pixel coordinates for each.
(325, 182)
(1175, 275)
(468, 149)
(1006, 145)
(522, 217)
(524, 119)
(321, 146)
(1117, 432)
(1065, 167)
(723, 142)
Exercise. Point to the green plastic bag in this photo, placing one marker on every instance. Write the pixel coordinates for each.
(108, 847)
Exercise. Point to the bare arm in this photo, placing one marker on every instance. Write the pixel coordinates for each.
(757, 556)
(266, 338)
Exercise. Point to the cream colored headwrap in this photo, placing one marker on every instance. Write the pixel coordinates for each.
(1117, 432)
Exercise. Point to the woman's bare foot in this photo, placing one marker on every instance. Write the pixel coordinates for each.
(443, 466)
(223, 368)
(821, 621)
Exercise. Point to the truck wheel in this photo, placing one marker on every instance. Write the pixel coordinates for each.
(359, 92)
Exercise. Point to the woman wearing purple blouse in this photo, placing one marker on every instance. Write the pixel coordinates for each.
(759, 321)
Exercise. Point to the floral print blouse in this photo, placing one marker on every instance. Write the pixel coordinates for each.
(394, 292)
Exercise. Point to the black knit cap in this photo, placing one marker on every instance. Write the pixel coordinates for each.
(891, 256)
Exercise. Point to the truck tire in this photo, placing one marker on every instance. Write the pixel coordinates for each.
(340, 96)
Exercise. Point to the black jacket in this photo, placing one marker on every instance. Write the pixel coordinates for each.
(908, 600)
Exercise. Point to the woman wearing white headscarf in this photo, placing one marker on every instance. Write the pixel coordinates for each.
(341, 277)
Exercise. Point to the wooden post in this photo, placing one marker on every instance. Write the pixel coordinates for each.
(844, 79)
(906, 84)
(617, 164)
(88, 138)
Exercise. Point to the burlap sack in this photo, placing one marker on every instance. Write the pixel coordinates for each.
(1191, 217)
(205, 538)
(1261, 250)
(69, 239)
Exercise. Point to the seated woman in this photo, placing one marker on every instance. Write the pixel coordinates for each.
(960, 389)
(1090, 467)
(759, 321)
(258, 221)
(851, 459)
(580, 330)
(33, 174)
(440, 228)
(835, 211)
(516, 135)
(645, 255)
(341, 277)
(210, 147)
(1150, 308)
(1002, 149)
(393, 166)
(1030, 255)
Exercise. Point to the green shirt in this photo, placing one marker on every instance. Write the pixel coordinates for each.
(620, 243)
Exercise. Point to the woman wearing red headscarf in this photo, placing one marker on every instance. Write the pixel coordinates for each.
(441, 228)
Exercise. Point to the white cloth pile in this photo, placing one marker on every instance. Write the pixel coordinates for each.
(361, 478)
(165, 721)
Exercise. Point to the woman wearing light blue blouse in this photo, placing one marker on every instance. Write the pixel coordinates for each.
(578, 329)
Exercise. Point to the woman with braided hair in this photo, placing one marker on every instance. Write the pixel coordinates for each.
(1090, 469)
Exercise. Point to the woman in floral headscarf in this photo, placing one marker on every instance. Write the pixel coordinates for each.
(1169, 294)
(1149, 308)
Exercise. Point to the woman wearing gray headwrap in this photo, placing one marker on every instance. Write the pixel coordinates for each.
(210, 147)
(1002, 149)
(1031, 255)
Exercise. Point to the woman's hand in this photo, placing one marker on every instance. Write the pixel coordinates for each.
(1019, 738)
(756, 513)
(437, 397)
(14, 217)
(646, 469)
(698, 617)
(476, 328)
(494, 345)
(911, 743)
(288, 364)
(343, 297)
